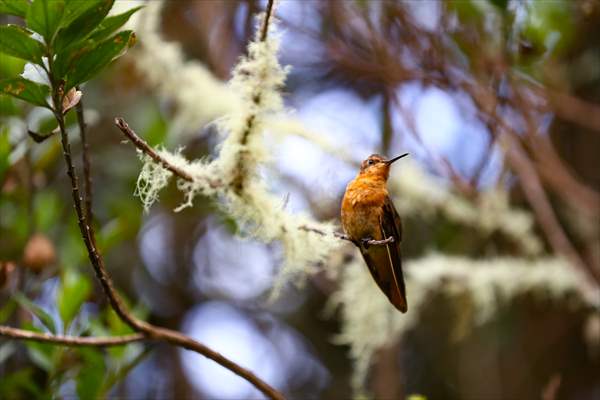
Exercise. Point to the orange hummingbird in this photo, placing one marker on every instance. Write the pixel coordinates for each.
(368, 216)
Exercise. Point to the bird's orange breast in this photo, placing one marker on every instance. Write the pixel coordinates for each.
(362, 207)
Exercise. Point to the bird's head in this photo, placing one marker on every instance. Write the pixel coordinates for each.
(377, 165)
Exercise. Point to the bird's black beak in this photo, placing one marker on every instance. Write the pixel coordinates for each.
(396, 158)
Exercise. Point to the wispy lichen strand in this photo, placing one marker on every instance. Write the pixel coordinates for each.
(257, 80)
(184, 82)
(369, 322)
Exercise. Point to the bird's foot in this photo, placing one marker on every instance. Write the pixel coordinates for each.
(382, 242)
(366, 242)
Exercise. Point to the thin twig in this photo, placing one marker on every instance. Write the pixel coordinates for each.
(100, 341)
(265, 26)
(341, 236)
(145, 148)
(237, 183)
(151, 331)
(536, 195)
(85, 157)
(530, 182)
(383, 242)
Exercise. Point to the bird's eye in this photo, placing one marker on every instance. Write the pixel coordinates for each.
(370, 162)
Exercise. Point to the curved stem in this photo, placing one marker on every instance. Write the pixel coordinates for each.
(15, 333)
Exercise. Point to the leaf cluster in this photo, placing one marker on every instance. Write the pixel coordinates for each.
(68, 41)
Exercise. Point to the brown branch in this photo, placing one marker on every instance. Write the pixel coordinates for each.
(551, 167)
(341, 236)
(238, 181)
(146, 149)
(264, 31)
(570, 108)
(21, 334)
(529, 177)
(151, 331)
(536, 195)
(85, 157)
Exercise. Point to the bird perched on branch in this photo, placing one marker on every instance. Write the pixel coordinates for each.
(370, 220)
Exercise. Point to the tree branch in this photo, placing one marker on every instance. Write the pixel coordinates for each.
(146, 149)
(265, 25)
(150, 331)
(100, 341)
(149, 151)
(85, 151)
(341, 236)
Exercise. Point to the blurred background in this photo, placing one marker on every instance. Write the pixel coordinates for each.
(498, 104)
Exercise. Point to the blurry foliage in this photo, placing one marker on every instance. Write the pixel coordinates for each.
(80, 40)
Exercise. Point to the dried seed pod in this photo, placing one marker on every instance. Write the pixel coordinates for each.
(39, 253)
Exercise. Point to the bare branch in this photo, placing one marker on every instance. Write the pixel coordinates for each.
(150, 331)
(264, 31)
(85, 156)
(341, 236)
(100, 341)
(145, 148)
(571, 108)
(536, 195)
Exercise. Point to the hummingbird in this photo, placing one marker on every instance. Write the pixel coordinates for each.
(368, 215)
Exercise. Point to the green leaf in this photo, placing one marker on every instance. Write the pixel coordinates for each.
(41, 354)
(14, 7)
(501, 4)
(24, 89)
(111, 24)
(17, 42)
(45, 318)
(47, 209)
(74, 8)
(15, 385)
(91, 375)
(4, 164)
(10, 66)
(8, 108)
(73, 292)
(7, 350)
(119, 375)
(44, 17)
(83, 25)
(89, 63)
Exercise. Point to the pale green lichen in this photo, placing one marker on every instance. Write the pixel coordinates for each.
(151, 180)
(369, 321)
(186, 83)
(256, 83)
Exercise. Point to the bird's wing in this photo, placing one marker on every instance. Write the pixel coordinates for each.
(391, 225)
(384, 261)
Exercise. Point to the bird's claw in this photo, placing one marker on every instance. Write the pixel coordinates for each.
(366, 242)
